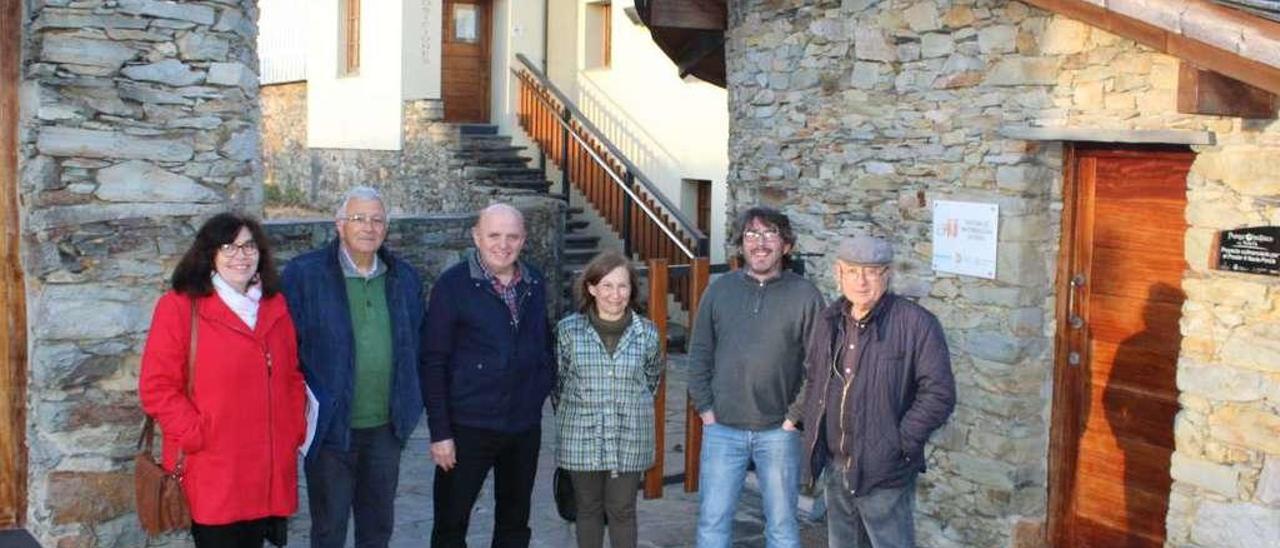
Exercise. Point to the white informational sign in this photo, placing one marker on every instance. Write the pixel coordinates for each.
(964, 238)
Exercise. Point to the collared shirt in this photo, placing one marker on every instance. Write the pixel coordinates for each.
(350, 270)
(846, 368)
(506, 291)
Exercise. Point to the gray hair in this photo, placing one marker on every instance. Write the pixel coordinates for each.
(500, 207)
(359, 193)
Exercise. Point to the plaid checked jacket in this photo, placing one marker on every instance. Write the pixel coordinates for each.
(604, 404)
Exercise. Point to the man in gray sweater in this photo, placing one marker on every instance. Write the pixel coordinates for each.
(746, 371)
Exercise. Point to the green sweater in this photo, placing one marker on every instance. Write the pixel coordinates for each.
(371, 327)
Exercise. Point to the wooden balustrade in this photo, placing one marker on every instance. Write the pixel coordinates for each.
(603, 180)
(651, 230)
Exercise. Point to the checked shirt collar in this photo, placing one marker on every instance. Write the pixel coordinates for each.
(506, 291)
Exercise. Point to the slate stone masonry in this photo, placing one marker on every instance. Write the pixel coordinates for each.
(855, 115)
(139, 120)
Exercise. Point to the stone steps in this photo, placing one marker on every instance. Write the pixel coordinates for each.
(581, 241)
(521, 173)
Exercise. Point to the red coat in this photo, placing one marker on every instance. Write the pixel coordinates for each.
(242, 429)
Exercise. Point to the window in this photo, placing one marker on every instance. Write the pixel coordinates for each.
(350, 37)
(466, 23)
(599, 39)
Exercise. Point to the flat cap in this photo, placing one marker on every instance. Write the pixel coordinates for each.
(865, 250)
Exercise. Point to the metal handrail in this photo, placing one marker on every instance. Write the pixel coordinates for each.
(631, 168)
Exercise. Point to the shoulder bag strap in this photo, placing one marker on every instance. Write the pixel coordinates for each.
(147, 436)
(191, 375)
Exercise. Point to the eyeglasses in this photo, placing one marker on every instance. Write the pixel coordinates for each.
(367, 220)
(868, 273)
(755, 236)
(248, 249)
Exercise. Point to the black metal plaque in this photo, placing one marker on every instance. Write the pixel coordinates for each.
(1255, 250)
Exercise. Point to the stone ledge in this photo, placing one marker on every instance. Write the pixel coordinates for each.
(1161, 136)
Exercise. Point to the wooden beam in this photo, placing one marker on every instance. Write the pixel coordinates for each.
(689, 14)
(13, 315)
(1206, 56)
(1207, 92)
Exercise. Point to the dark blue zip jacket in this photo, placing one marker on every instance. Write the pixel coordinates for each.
(902, 391)
(316, 291)
(481, 369)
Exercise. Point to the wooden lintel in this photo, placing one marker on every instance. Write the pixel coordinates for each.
(689, 14)
(1206, 56)
(1206, 92)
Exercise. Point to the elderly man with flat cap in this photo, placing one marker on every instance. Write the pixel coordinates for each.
(878, 383)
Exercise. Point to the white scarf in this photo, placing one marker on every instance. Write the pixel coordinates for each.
(245, 305)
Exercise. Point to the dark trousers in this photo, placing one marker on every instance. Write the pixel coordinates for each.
(879, 519)
(600, 493)
(514, 460)
(361, 480)
(241, 534)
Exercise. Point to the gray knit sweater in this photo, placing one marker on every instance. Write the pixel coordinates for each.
(747, 352)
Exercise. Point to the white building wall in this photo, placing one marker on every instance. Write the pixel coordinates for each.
(361, 111)
(282, 42)
(517, 29)
(422, 48)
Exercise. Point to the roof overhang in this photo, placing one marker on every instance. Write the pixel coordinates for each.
(1240, 45)
(1230, 42)
(691, 33)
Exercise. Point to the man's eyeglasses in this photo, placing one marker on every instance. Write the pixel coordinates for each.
(360, 219)
(756, 236)
(248, 249)
(869, 273)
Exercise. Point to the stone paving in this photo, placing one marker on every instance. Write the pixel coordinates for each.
(666, 522)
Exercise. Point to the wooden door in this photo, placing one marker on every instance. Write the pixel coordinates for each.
(1120, 299)
(465, 82)
(13, 342)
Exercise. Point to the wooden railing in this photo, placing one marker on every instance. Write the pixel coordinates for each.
(650, 226)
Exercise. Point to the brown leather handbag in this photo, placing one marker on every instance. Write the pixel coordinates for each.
(161, 504)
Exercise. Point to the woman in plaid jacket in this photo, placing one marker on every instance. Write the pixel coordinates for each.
(608, 374)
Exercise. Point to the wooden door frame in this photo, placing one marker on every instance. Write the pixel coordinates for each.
(13, 341)
(486, 40)
(1064, 432)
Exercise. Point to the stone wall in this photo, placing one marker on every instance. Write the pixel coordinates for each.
(285, 162)
(855, 115)
(419, 178)
(139, 120)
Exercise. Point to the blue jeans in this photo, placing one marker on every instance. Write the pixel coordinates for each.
(362, 479)
(879, 519)
(726, 451)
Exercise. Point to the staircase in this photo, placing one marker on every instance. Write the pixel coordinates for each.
(490, 160)
(648, 224)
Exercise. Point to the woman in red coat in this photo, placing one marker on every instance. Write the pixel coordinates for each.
(236, 436)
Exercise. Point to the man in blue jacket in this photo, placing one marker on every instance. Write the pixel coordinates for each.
(487, 371)
(358, 310)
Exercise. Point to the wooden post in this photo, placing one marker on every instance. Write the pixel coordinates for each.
(13, 312)
(658, 274)
(628, 237)
(699, 275)
(567, 116)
